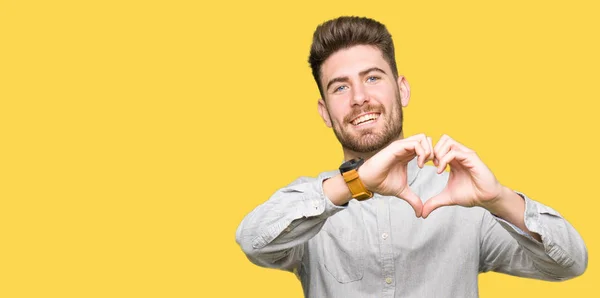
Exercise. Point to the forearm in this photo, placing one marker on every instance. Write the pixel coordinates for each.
(336, 189)
(510, 206)
(559, 255)
(274, 233)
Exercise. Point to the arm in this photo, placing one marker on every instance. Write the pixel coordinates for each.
(543, 245)
(511, 207)
(274, 233)
(560, 255)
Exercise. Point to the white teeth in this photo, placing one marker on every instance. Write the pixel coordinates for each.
(365, 118)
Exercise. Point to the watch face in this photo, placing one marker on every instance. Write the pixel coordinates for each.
(351, 164)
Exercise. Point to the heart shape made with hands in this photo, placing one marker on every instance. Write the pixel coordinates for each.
(470, 182)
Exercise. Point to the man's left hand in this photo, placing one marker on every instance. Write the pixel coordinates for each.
(471, 183)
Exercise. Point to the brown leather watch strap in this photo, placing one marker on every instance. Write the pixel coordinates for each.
(357, 188)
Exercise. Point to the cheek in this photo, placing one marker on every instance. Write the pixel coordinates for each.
(337, 113)
(384, 94)
(338, 117)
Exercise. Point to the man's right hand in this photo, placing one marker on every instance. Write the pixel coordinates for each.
(385, 172)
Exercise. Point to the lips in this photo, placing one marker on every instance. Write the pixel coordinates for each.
(365, 118)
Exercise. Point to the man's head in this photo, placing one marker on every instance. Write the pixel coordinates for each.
(352, 61)
(345, 32)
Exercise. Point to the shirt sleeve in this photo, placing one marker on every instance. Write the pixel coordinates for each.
(505, 248)
(274, 233)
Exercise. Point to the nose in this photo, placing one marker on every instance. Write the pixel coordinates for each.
(359, 96)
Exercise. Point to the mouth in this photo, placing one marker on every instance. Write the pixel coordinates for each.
(365, 119)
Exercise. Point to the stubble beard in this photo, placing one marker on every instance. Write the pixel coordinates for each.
(370, 140)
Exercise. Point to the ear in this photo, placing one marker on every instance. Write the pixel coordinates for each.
(404, 89)
(324, 113)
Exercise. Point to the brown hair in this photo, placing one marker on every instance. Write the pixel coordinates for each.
(345, 32)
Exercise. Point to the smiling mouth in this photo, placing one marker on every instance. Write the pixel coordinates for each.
(364, 119)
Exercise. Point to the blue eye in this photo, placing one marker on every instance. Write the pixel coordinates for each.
(372, 79)
(340, 88)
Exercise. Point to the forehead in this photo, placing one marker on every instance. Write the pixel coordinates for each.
(349, 62)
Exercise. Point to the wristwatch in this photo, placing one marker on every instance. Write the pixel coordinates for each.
(349, 171)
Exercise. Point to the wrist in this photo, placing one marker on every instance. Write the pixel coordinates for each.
(505, 203)
(349, 171)
(364, 181)
(510, 206)
(336, 190)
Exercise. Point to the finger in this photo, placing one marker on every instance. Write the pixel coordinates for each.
(441, 142)
(436, 149)
(430, 145)
(443, 148)
(413, 200)
(449, 144)
(455, 144)
(443, 162)
(452, 155)
(426, 150)
(442, 199)
(421, 154)
(401, 149)
(422, 138)
(417, 137)
(440, 155)
(408, 148)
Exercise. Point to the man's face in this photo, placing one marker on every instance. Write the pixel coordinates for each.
(363, 102)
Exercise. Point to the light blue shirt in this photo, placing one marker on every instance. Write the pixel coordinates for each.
(378, 248)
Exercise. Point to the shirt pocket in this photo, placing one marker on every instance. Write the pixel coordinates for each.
(342, 253)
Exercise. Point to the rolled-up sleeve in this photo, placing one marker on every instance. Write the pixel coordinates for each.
(561, 255)
(274, 233)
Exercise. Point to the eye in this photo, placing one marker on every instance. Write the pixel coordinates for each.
(340, 88)
(372, 79)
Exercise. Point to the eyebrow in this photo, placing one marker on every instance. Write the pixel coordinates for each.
(346, 79)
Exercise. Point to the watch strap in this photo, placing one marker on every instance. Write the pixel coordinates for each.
(357, 188)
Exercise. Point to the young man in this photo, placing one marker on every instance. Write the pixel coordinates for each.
(353, 232)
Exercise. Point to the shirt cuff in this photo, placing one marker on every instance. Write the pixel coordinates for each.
(324, 203)
(314, 200)
(537, 217)
(531, 218)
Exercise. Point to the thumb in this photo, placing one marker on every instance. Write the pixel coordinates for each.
(409, 196)
(441, 199)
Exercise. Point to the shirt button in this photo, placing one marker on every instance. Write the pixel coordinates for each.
(384, 236)
(315, 204)
(388, 280)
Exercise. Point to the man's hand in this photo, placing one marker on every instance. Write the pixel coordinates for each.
(470, 184)
(385, 172)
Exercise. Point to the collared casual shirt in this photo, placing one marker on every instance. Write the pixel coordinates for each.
(379, 248)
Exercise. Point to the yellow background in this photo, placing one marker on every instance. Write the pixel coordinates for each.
(135, 135)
